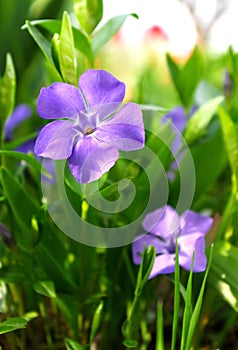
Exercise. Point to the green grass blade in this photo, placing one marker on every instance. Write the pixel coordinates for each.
(188, 309)
(198, 306)
(176, 299)
(159, 327)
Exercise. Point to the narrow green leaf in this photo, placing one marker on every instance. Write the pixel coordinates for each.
(159, 327)
(198, 123)
(175, 73)
(27, 158)
(97, 317)
(23, 207)
(12, 324)
(51, 25)
(30, 315)
(54, 264)
(129, 328)
(55, 43)
(7, 92)
(12, 274)
(176, 298)
(81, 41)
(67, 59)
(46, 288)
(188, 309)
(41, 41)
(72, 345)
(230, 136)
(194, 68)
(108, 30)
(129, 343)
(182, 76)
(222, 277)
(147, 262)
(197, 309)
(89, 13)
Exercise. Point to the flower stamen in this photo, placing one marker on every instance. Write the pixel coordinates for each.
(89, 131)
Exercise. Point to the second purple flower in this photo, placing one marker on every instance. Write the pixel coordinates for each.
(90, 125)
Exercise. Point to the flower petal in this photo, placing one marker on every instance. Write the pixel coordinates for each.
(99, 86)
(177, 117)
(163, 264)
(163, 222)
(146, 240)
(60, 100)
(125, 129)
(191, 222)
(189, 244)
(27, 146)
(56, 139)
(91, 158)
(20, 113)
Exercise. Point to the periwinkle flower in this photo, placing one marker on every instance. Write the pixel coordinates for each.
(90, 127)
(21, 113)
(178, 119)
(163, 226)
(18, 116)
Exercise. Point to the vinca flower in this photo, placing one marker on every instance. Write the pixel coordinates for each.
(90, 126)
(163, 227)
(18, 116)
(179, 121)
(21, 113)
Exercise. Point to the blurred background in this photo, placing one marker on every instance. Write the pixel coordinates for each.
(173, 26)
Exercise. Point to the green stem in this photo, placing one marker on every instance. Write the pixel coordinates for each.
(46, 325)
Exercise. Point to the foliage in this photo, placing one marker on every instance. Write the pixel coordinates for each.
(56, 292)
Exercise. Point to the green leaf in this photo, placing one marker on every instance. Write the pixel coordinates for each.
(23, 207)
(186, 78)
(12, 324)
(54, 264)
(108, 30)
(147, 262)
(55, 43)
(188, 308)
(27, 158)
(197, 309)
(30, 315)
(67, 59)
(7, 92)
(12, 274)
(41, 41)
(72, 344)
(45, 288)
(97, 317)
(89, 13)
(159, 327)
(198, 123)
(81, 41)
(176, 298)
(223, 273)
(130, 343)
(230, 136)
(209, 159)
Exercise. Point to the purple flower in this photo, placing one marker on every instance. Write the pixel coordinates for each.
(163, 226)
(89, 128)
(18, 116)
(179, 120)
